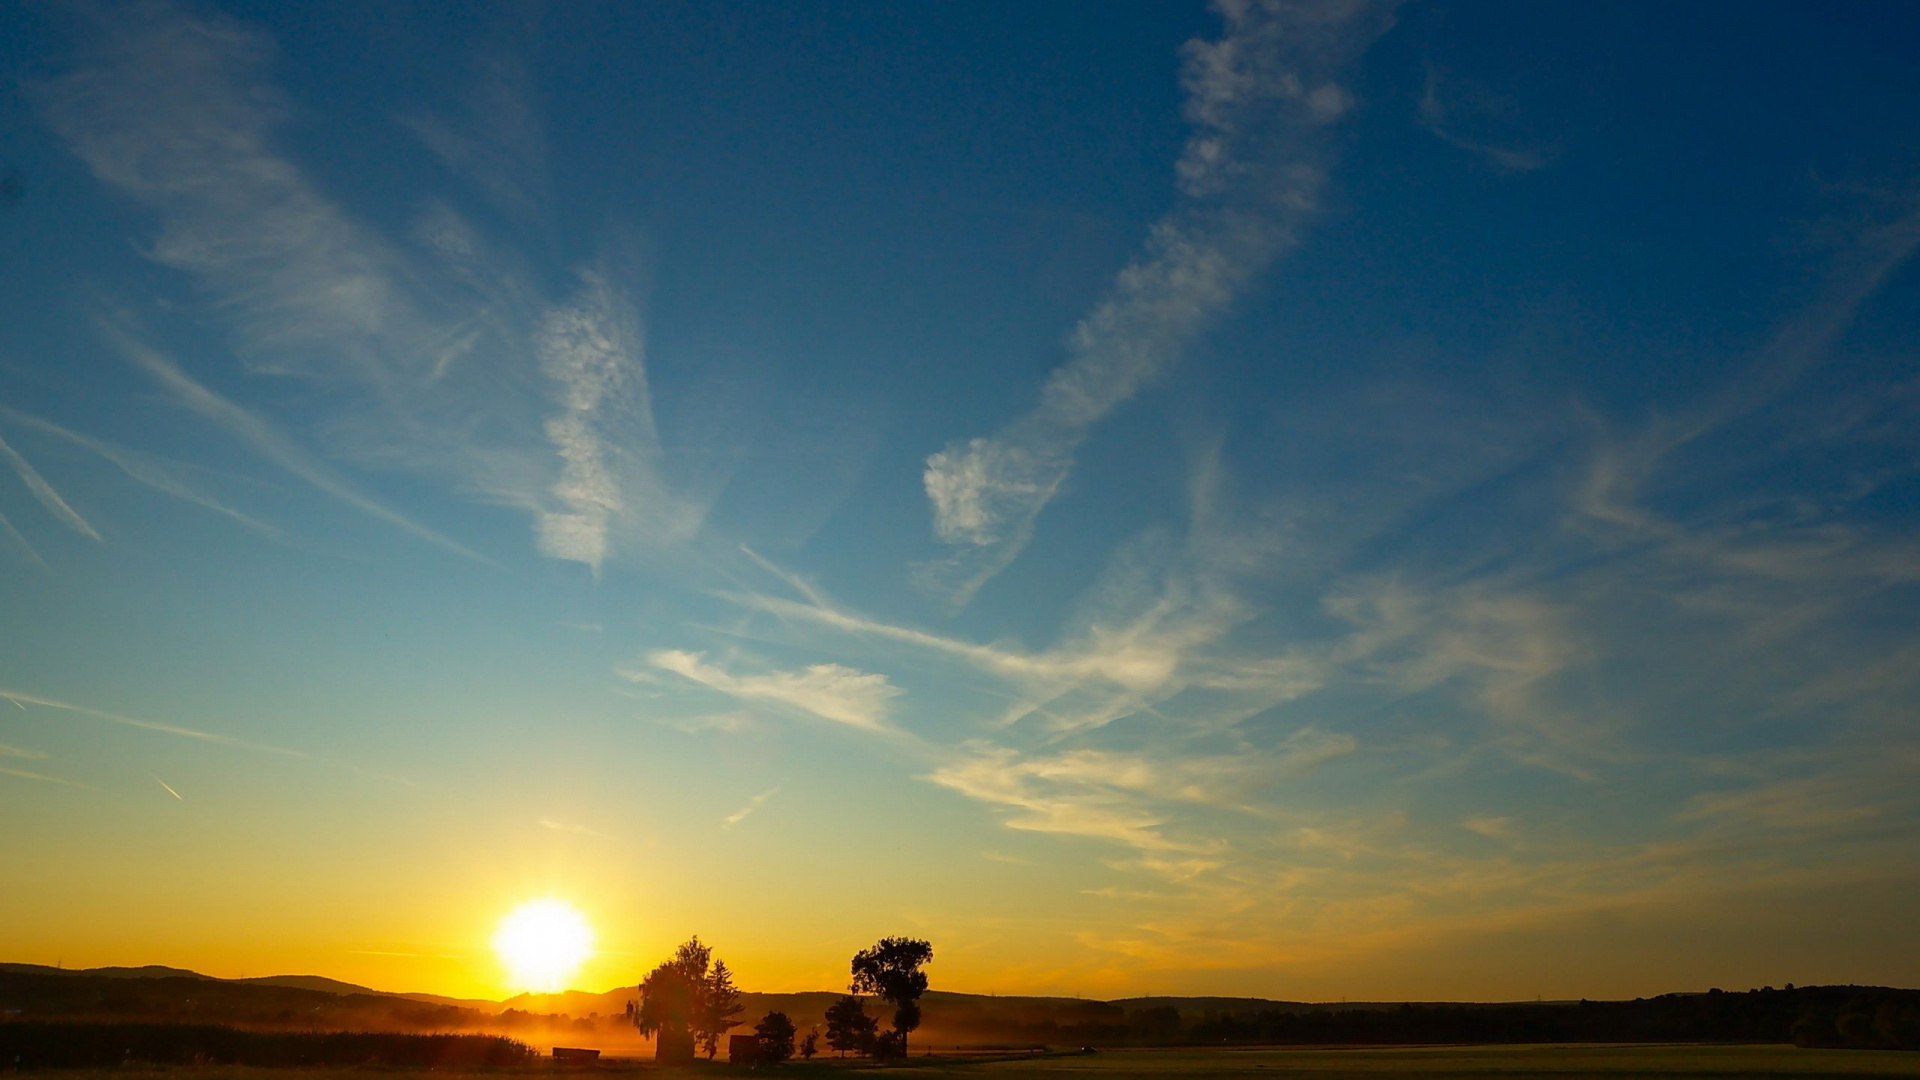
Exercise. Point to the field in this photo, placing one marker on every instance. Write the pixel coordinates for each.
(1586, 1062)
(1589, 1062)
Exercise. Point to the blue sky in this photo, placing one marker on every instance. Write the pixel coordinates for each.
(1309, 500)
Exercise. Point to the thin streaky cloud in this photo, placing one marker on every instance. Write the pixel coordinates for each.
(42, 777)
(794, 581)
(21, 751)
(21, 541)
(1439, 109)
(1619, 468)
(499, 143)
(753, 804)
(169, 788)
(24, 699)
(44, 492)
(570, 827)
(268, 440)
(141, 467)
(830, 691)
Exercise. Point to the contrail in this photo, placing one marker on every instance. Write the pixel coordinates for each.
(186, 733)
(169, 788)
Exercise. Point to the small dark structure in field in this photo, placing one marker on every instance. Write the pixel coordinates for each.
(575, 1053)
(743, 1049)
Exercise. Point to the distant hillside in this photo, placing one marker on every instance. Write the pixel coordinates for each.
(1816, 1016)
(317, 983)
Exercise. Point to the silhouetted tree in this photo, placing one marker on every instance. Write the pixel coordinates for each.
(810, 1045)
(849, 1027)
(687, 1001)
(891, 970)
(717, 1014)
(776, 1039)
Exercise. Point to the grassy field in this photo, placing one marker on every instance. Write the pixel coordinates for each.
(1588, 1062)
(1582, 1062)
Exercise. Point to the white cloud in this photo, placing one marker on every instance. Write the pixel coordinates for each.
(829, 691)
(1128, 796)
(1493, 828)
(994, 775)
(603, 430)
(753, 804)
(422, 345)
(1251, 173)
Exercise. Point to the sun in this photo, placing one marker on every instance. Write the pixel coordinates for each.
(542, 944)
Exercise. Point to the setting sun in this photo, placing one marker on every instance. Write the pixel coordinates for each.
(542, 944)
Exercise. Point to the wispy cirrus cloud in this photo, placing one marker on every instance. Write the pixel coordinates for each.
(145, 468)
(1158, 623)
(574, 827)
(21, 541)
(1260, 98)
(22, 698)
(28, 774)
(497, 141)
(1130, 797)
(45, 493)
(753, 804)
(603, 430)
(266, 438)
(829, 691)
(1447, 103)
(438, 352)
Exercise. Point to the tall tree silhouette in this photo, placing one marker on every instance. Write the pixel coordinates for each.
(717, 1013)
(891, 970)
(687, 1001)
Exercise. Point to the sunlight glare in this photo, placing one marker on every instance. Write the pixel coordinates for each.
(542, 943)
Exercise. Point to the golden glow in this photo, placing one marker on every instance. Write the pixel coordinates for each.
(542, 944)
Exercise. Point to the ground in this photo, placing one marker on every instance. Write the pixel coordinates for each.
(1340, 1063)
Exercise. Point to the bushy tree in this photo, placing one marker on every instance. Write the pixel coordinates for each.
(687, 1001)
(891, 970)
(776, 1039)
(849, 1027)
(810, 1045)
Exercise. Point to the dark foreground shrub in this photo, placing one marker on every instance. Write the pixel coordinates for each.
(58, 1045)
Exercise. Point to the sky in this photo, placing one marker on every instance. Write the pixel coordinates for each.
(1310, 500)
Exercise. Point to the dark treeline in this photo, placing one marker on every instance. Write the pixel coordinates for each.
(1833, 1016)
(40, 1045)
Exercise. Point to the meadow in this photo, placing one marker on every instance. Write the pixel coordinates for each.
(1586, 1062)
